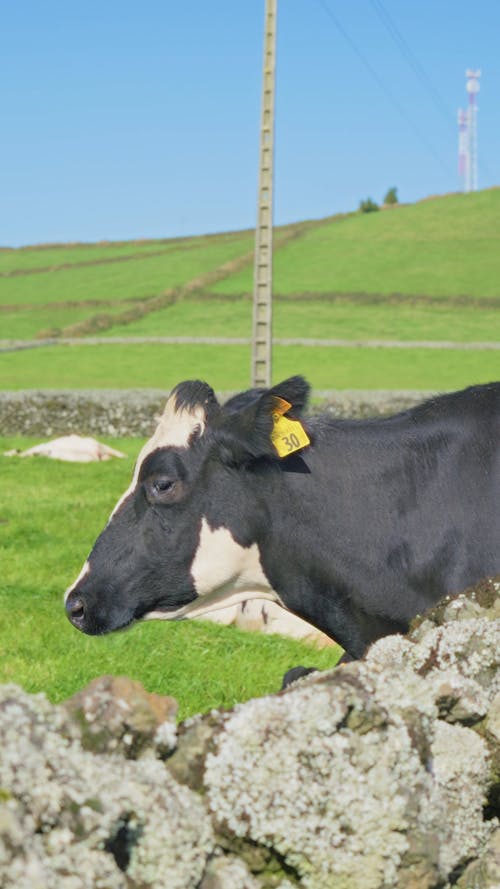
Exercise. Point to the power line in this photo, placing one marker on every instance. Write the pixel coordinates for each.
(417, 67)
(388, 94)
(411, 58)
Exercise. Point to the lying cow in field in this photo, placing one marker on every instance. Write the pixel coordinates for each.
(72, 448)
(268, 618)
(356, 526)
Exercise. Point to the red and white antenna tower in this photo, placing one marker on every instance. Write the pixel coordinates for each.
(462, 144)
(472, 87)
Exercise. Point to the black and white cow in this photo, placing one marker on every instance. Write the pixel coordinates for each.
(356, 532)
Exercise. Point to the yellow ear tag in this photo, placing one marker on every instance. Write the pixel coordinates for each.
(288, 435)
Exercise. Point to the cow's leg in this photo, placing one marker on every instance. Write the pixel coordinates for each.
(295, 673)
(346, 659)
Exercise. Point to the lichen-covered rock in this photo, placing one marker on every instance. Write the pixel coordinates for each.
(490, 731)
(454, 667)
(228, 872)
(85, 820)
(484, 873)
(115, 713)
(195, 739)
(370, 776)
(459, 765)
(50, 860)
(346, 807)
(480, 601)
(468, 646)
(381, 774)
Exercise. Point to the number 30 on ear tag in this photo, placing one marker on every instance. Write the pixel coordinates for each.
(288, 435)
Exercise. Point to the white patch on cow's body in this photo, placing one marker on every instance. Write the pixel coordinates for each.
(224, 574)
(85, 570)
(220, 561)
(174, 429)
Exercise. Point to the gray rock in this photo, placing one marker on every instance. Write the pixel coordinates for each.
(344, 808)
(368, 776)
(116, 714)
(90, 821)
(485, 872)
(481, 600)
(228, 872)
(195, 739)
(381, 774)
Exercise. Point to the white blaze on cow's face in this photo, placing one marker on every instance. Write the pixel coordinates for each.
(175, 428)
(224, 574)
(83, 573)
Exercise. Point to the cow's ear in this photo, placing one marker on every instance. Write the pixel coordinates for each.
(247, 425)
(195, 397)
(295, 390)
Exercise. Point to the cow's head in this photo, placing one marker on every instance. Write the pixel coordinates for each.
(183, 539)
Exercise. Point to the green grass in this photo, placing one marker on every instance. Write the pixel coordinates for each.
(26, 323)
(50, 514)
(192, 317)
(320, 319)
(386, 368)
(32, 258)
(310, 318)
(141, 277)
(226, 368)
(441, 247)
(35, 257)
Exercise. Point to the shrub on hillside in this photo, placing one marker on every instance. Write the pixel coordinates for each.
(368, 206)
(391, 197)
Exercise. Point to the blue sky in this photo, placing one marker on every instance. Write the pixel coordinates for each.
(133, 120)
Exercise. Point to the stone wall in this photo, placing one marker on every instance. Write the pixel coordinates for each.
(121, 413)
(381, 774)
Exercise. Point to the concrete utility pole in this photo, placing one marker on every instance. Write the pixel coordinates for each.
(263, 275)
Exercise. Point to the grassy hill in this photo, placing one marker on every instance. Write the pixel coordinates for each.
(428, 271)
(440, 247)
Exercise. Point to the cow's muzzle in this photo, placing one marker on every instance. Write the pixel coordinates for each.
(75, 611)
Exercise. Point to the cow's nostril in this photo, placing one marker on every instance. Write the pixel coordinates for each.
(76, 611)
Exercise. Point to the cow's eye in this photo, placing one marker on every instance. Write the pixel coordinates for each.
(160, 485)
(161, 489)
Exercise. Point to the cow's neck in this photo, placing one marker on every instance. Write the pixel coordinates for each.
(307, 556)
